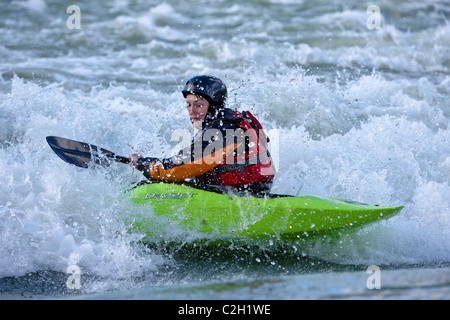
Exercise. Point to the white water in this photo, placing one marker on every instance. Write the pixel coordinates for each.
(356, 115)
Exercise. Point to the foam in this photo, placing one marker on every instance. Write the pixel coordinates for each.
(361, 115)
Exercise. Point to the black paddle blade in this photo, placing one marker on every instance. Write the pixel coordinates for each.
(83, 154)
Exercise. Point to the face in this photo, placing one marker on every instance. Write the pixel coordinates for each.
(197, 107)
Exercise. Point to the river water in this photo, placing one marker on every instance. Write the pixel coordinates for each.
(356, 103)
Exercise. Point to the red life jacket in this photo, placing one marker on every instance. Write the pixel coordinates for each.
(252, 166)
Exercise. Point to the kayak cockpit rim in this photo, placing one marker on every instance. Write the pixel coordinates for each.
(215, 189)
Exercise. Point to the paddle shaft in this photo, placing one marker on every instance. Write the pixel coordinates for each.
(120, 159)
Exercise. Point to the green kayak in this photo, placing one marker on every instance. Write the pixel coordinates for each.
(210, 212)
(273, 216)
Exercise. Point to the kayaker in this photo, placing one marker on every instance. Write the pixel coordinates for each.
(229, 150)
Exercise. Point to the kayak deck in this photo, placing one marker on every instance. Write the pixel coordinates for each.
(283, 217)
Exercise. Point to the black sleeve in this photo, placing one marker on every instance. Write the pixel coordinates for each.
(212, 138)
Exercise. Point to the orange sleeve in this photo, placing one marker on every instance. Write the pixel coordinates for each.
(192, 169)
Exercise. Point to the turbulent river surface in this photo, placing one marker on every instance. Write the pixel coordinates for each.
(355, 98)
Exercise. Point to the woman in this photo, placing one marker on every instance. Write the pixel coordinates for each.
(229, 150)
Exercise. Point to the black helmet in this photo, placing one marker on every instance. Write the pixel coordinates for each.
(211, 88)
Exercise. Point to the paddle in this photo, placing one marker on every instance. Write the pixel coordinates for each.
(82, 154)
